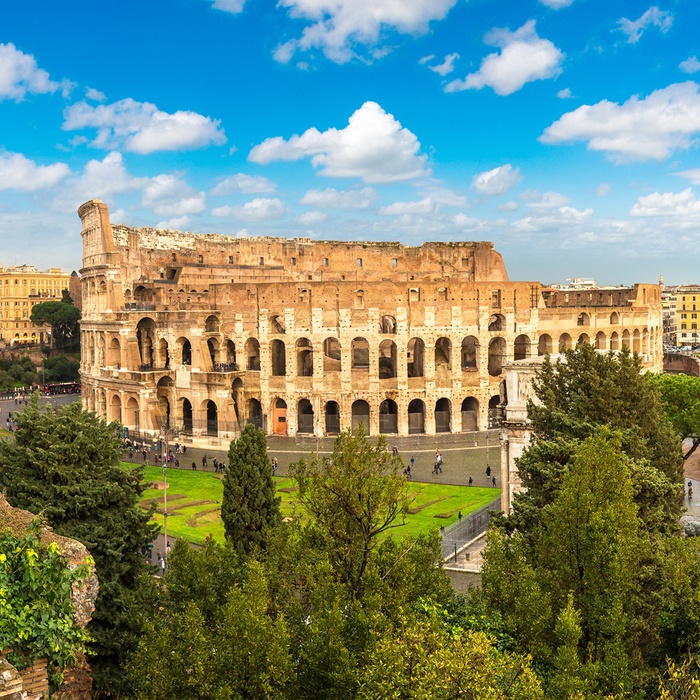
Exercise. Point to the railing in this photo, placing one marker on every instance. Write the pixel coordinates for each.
(467, 529)
(152, 368)
(225, 367)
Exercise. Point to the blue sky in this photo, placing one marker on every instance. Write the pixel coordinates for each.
(565, 131)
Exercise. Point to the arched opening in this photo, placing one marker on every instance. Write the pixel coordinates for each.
(213, 347)
(331, 355)
(212, 419)
(443, 416)
(360, 414)
(646, 350)
(305, 358)
(614, 341)
(254, 412)
(443, 354)
(470, 353)
(626, 339)
(564, 342)
(115, 353)
(115, 409)
(583, 319)
(521, 348)
(252, 353)
(416, 417)
(163, 353)
(277, 326)
(145, 334)
(415, 358)
(140, 293)
(387, 324)
(305, 417)
(186, 412)
(231, 355)
(600, 341)
(387, 359)
(279, 417)
(332, 418)
(470, 415)
(497, 356)
(237, 398)
(388, 417)
(360, 354)
(494, 412)
(164, 391)
(614, 318)
(497, 322)
(636, 341)
(278, 358)
(544, 345)
(211, 325)
(583, 338)
(185, 351)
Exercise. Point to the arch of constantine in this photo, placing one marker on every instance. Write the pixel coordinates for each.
(205, 333)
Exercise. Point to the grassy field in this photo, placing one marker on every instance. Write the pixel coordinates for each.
(194, 502)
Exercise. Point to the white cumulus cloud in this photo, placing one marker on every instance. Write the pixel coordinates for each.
(667, 204)
(17, 172)
(258, 209)
(232, 6)
(653, 17)
(19, 75)
(310, 218)
(248, 184)
(447, 66)
(690, 65)
(176, 224)
(497, 181)
(331, 198)
(524, 57)
(169, 195)
(373, 146)
(423, 207)
(640, 129)
(341, 28)
(140, 127)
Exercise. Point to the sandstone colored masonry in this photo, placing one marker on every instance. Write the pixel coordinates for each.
(205, 333)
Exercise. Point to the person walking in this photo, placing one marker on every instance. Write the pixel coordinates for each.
(204, 462)
(274, 465)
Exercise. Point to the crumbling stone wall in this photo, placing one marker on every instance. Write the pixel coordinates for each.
(205, 333)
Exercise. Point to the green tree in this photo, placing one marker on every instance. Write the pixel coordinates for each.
(66, 465)
(680, 394)
(63, 317)
(60, 368)
(354, 497)
(249, 507)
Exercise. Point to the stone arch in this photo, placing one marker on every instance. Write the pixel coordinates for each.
(279, 417)
(305, 358)
(237, 397)
(114, 353)
(626, 339)
(145, 334)
(470, 353)
(583, 338)
(212, 412)
(614, 341)
(213, 347)
(254, 413)
(387, 324)
(443, 416)
(186, 413)
(184, 348)
(332, 418)
(360, 355)
(252, 353)
(443, 353)
(360, 414)
(331, 355)
(614, 318)
(416, 417)
(164, 353)
(305, 416)
(564, 342)
(277, 325)
(278, 358)
(211, 325)
(600, 341)
(140, 292)
(494, 411)
(636, 341)
(521, 348)
(497, 356)
(115, 409)
(583, 319)
(388, 417)
(387, 359)
(470, 414)
(646, 350)
(231, 355)
(416, 358)
(497, 322)
(544, 345)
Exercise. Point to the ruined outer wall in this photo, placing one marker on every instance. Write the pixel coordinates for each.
(208, 332)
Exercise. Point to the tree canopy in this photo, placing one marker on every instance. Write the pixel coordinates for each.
(680, 394)
(63, 317)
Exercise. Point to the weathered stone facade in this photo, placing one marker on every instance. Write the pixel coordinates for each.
(204, 333)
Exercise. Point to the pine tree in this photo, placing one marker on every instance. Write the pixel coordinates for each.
(66, 465)
(249, 506)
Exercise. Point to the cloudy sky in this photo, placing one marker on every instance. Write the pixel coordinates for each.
(565, 131)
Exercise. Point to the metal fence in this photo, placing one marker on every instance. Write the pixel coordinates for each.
(467, 529)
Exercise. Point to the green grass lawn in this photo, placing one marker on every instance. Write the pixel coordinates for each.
(194, 502)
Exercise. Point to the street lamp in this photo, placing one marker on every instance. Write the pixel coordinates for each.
(164, 457)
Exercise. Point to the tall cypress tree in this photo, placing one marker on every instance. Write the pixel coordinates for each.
(249, 506)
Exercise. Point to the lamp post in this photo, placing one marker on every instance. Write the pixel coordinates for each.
(164, 457)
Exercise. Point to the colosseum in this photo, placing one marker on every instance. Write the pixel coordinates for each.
(205, 333)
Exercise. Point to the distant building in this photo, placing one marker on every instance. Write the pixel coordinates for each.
(21, 287)
(687, 311)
